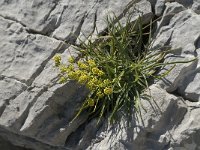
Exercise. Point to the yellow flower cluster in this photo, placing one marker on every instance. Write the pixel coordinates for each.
(83, 79)
(96, 71)
(81, 65)
(57, 60)
(91, 63)
(90, 102)
(108, 90)
(87, 74)
(71, 59)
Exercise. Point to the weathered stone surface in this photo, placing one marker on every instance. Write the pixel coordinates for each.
(182, 34)
(158, 116)
(196, 7)
(49, 75)
(4, 144)
(12, 141)
(34, 14)
(187, 135)
(23, 55)
(51, 114)
(32, 103)
(65, 19)
(9, 89)
(176, 127)
(159, 7)
(135, 8)
(166, 122)
(35, 111)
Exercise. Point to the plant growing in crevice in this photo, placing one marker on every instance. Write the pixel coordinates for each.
(116, 68)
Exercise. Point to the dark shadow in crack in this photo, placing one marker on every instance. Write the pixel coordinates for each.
(6, 145)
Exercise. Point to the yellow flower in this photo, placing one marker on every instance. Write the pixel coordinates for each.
(99, 94)
(78, 72)
(95, 70)
(63, 69)
(70, 68)
(72, 75)
(101, 85)
(90, 102)
(94, 80)
(91, 63)
(62, 79)
(57, 60)
(81, 65)
(82, 79)
(92, 84)
(107, 82)
(71, 59)
(100, 73)
(108, 90)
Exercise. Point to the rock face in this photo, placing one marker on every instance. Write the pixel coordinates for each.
(35, 111)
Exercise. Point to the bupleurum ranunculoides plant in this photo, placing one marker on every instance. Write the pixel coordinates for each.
(116, 68)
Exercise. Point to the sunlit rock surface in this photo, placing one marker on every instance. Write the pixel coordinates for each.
(35, 111)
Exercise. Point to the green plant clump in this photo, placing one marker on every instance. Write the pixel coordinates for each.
(116, 68)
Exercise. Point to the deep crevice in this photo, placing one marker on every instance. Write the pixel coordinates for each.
(120, 16)
(21, 120)
(31, 31)
(73, 140)
(71, 39)
(197, 43)
(7, 101)
(57, 24)
(26, 142)
(51, 10)
(28, 30)
(13, 19)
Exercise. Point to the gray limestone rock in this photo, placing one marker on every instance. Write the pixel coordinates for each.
(9, 89)
(13, 141)
(24, 55)
(196, 6)
(174, 125)
(186, 135)
(182, 34)
(159, 7)
(66, 19)
(33, 105)
(36, 111)
(158, 116)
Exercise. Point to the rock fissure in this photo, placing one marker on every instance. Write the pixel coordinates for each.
(56, 2)
(14, 20)
(24, 116)
(18, 80)
(35, 110)
(34, 32)
(57, 24)
(7, 101)
(61, 47)
(26, 142)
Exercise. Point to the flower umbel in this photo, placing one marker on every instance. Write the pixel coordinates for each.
(91, 102)
(57, 60)
(83, 79)
(82, 65)
(71, 59)
(108, 90)
(100, 94)
(91, 63)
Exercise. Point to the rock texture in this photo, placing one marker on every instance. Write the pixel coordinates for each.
(35, 111)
